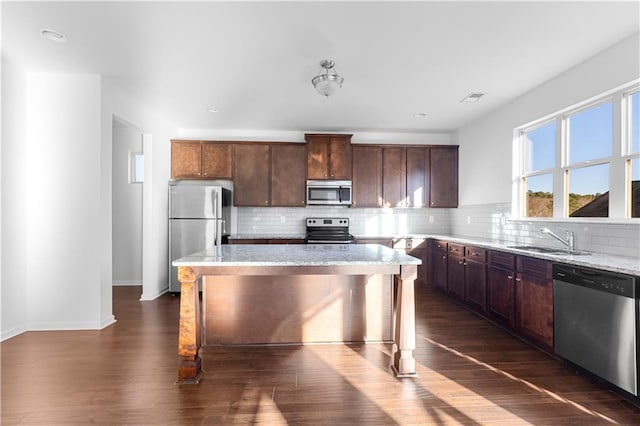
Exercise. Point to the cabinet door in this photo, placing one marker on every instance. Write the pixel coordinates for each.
(394, 177)
(443, 191)
(455, 271)
(251, 183)
(367, 176)
(501, 294)
(422, 254)
(328, 156)
(186, 159)
(288, 172)
(534, 302)
(439, 269)
(340, 157)
(475, 285)
(317, 158)
(417, 178)
(217, 160)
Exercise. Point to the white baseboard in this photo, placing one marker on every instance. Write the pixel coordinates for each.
(12, 332)
(126, 283)
(152, 296)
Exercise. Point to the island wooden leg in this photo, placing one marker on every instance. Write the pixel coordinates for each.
(190, 370)
(404, 364)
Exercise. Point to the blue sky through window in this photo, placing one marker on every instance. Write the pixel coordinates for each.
(590, 135)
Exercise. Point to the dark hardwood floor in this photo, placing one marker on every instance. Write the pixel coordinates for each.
(470, 372)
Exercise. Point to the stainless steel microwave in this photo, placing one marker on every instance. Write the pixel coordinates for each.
(329, 192)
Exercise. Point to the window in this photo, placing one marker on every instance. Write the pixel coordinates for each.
(589, 139)
(136, 167)
(539, 159)
(633, 160)
(583, 161)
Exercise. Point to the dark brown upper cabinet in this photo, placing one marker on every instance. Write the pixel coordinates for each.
(201, 160)
(251, 183)
(288, 174)
(443, 176)
(217, 160)
(394, 177)
(367, 176)
(417, 177)
(328, 156)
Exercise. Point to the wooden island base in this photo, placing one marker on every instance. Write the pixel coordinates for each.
(364, 321)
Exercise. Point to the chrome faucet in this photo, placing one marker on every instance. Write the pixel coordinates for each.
(569, 242)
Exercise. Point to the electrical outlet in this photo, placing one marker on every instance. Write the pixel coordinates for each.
(431, 219)
(282, 219)
(468, 220)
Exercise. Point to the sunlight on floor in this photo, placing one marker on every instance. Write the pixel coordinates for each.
(517, 379)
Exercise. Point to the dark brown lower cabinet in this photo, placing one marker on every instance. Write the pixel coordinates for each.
(534, 300)
(475, 284)
(500, 295)
(514, 291)
(439, 264)
(455, 271)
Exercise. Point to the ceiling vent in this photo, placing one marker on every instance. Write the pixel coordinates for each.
(471, 98)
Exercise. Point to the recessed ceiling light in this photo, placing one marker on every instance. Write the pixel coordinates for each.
(420, 114)
(212, 110)
(471, 98)
(53, 35)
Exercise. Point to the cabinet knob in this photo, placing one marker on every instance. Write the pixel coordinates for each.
(266, 202)
(460, 262)
(518, 279)
(510, 277)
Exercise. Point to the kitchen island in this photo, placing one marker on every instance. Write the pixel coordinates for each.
(346, 267)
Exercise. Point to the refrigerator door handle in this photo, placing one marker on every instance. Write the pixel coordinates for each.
(216, 212)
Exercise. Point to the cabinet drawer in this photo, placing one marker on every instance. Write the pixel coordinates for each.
(456, 249)
(502, 259)
(439, 245)
(475, 253)
(538, 267)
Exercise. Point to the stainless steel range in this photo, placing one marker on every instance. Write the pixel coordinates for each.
(322, 230)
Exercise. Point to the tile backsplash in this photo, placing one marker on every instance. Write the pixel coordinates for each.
(363, 221)
(485, 221)
(493, 221)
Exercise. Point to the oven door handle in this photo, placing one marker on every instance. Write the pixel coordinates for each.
(329, 242)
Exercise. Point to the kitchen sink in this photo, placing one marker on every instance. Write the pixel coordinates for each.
(548, 250)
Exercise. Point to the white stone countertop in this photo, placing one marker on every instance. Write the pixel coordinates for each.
(297, 255)
(608, 262)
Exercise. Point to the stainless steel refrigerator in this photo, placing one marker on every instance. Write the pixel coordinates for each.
(199, 218)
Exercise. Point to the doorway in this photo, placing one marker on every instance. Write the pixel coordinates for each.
(127, 203)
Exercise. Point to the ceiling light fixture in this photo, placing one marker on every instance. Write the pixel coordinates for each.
(53, 35)
(471, 98)
(420, 114)
(327, 84)
(212, 110)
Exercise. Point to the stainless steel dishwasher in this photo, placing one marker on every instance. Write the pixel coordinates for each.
(596, 323)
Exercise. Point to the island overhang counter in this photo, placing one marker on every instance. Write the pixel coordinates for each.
(312, 265)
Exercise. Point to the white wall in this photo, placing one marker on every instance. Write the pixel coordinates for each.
(63, 203)
(486, 144)
(127, 209)
(14, 244)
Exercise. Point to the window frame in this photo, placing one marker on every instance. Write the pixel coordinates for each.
(619, 162)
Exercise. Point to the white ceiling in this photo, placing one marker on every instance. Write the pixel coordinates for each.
(254, 61)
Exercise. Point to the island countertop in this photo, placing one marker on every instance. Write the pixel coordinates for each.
(298, 255)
